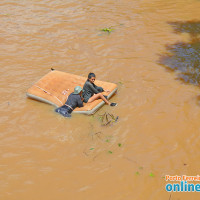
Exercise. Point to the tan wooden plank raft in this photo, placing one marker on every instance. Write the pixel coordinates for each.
(55, 87)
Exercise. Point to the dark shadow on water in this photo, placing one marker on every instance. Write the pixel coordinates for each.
(182, 57)
(191, 27)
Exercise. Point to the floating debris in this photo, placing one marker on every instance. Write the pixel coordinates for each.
(151, 174)
(121, 83)
(108, 119)
(108, 30)
(140, 167)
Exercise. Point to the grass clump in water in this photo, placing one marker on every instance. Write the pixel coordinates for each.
(119, 144)
(151, 175)
(107, 30)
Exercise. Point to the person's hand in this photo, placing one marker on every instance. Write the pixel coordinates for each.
(107, 90)
(82, 99)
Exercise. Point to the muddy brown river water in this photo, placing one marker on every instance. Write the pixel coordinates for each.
(45, 156)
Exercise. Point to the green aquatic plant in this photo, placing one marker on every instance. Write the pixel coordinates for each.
(151, 174)
(119, 144)
(110, 152)
(108, 30)
(91, 148)
(137, 173)
(7, 14)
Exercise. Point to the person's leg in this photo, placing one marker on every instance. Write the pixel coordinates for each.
(68, 112)
(63, 111)
(98, 96)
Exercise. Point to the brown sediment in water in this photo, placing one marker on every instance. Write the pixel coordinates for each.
(45, 156)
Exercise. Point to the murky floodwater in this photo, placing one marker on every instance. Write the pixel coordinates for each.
(45, 156)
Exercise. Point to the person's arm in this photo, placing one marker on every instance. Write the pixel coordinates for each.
(80, 102)
(100, 89)
(92, 88)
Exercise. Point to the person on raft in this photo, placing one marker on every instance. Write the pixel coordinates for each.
(74, 100)
(92, 92)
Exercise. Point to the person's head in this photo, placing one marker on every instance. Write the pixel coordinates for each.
(78, 90)
(91, 77)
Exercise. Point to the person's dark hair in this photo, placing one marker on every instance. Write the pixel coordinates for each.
(90, 75)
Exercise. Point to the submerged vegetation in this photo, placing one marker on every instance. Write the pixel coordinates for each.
(184, 57)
